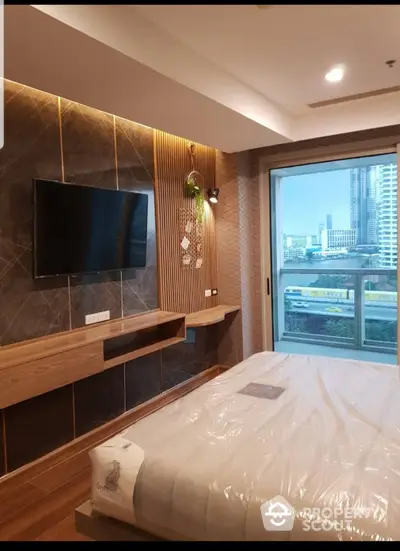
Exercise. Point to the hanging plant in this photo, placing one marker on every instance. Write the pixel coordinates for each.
(199, 198)
(194, 191)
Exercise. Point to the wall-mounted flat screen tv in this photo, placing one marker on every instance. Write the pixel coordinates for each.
(81, 229)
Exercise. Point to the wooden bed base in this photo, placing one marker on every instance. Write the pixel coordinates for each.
(100, 528)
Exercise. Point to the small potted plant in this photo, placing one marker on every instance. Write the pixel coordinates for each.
(193, 190)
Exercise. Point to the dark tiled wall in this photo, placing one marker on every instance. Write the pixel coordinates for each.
(143, 379)
(32, 149)
(184, 360)
(37, 426)
(52, 138)
(135, 154)
(98, 399)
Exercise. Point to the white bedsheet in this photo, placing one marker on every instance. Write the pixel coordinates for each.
(202, 467)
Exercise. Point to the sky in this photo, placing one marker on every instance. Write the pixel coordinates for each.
(308, 198)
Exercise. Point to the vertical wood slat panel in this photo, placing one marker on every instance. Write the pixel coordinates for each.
(182, 289)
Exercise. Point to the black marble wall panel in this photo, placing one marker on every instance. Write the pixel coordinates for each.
(99, 399)
(135, 162)
(38, 426)
(56, 139)
(95, 293)
(186, 359)
(173, 377)
(142, 379)
(88, 146)
(31, 149)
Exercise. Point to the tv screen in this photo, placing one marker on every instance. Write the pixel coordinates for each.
(81, 229)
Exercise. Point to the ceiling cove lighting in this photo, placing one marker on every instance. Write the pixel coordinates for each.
(335, 75)
(213, 195)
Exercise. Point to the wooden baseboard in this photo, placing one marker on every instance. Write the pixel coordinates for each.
(222, 368)
(88, 441)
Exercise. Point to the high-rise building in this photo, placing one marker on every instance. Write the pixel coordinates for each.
(338, 239)
(329, 222)
(300, 240)
(387, 181)
(320, 230)
(363, 217)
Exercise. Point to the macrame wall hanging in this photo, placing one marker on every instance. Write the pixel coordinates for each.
(191, 218)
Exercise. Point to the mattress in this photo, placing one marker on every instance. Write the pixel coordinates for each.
(280, 447)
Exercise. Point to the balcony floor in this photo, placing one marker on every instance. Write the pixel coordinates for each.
(333, 352)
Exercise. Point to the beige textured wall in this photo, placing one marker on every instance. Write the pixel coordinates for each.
(238, 244)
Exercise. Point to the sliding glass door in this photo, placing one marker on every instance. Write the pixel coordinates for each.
(334, 258)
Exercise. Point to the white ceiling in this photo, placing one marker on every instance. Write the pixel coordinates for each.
(283, 52)
(234, 77)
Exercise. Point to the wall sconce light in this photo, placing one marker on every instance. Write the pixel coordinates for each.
(213, 195)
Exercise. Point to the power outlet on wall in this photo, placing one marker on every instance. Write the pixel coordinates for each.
(103, 316)
(190, 336)
(90, 318)
(214, 292)
(96, 318)
(207, 293)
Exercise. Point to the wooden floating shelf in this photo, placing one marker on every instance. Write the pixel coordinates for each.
(209, 316)
(41, 365)
(142, 352)
(15, 354)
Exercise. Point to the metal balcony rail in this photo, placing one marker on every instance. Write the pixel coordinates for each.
(356, 309)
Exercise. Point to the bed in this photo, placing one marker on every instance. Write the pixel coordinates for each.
(318, 437)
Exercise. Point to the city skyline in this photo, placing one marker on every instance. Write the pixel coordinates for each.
(341, 208)
(308, 199)
(331, 203)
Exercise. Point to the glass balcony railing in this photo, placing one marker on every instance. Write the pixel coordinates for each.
(353, 308)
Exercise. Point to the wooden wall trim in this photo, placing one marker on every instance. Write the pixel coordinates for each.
(160, 289)
(371, 142)
(265, 255)
(325, 154)
(182, 288)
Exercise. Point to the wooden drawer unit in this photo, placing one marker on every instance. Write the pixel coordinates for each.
(26, 380)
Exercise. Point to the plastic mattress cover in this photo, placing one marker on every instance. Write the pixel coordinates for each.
(280, 447)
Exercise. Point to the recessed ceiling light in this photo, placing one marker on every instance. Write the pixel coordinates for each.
(335, 74)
